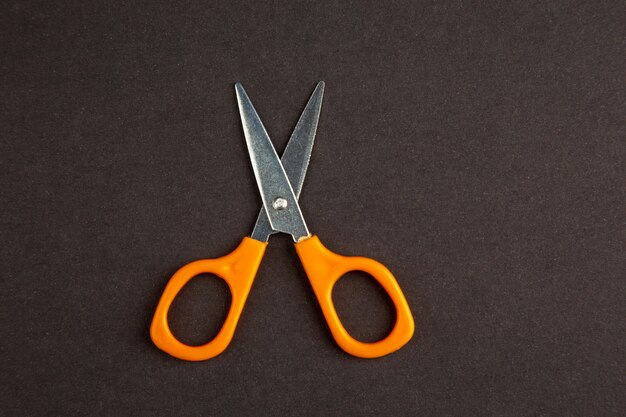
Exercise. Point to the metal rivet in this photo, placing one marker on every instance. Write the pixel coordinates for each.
(279, 203)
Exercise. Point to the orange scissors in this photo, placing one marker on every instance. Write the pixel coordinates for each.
(280, 182)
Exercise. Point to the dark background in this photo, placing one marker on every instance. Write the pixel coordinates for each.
(477, 150)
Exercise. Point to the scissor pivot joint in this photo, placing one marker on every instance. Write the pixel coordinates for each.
(279, 203)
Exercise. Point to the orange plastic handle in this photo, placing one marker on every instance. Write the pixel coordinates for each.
(324, 268)
(238, 270)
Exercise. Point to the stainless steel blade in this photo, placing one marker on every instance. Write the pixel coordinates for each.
(296, 157)
(279, 200)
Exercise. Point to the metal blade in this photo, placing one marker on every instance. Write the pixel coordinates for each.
(279, 200)
(296, 157)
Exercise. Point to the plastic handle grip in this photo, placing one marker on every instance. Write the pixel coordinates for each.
(324, 268)
(238, 270)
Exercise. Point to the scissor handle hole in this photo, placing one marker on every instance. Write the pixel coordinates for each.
(364, 308)
(199, 310)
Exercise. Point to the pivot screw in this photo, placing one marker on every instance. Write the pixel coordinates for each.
(279, 203)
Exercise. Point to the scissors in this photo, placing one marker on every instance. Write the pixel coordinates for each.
(279, 182)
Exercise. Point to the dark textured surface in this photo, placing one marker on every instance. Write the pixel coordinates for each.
(477, 150)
